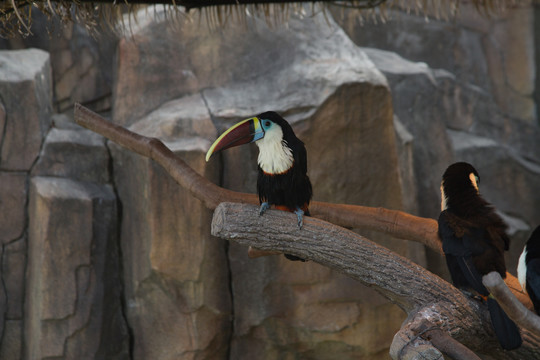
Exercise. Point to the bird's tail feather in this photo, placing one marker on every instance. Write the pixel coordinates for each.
(506, 330)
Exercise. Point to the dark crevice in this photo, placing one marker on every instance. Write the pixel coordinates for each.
(123, 300)
(4, 294)
(3, 130)
(226, 245)
(536, 39)
(231, 294)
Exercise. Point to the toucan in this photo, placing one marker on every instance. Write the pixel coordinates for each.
(474, 239)
(529, 268)
(282, 179)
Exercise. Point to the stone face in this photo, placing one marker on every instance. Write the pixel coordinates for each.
(12, 205)
(419, 104)
(25, 85)
(177, 283)
(464, 118)
(13, 266)
(81, 62)
(73, 152)
(12, 340)
(511, 182)
(70, 292)
(201, 57)
(495, 53)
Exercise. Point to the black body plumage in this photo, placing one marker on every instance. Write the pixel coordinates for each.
(292, 188)
(532, 268)
(474, 240)
(282, 178)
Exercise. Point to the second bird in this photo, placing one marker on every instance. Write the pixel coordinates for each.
(282, 163)
(529, 269)
(474, 240)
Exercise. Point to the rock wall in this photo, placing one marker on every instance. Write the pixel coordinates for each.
(104, 257)
(60, 293)
(494, 51)
(468, 98)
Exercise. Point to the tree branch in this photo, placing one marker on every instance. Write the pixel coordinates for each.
(391, 222)
(422, 295)
(405, 283)
(396, 223)
(420, 338)
(510, 304)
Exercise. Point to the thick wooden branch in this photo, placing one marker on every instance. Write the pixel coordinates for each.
(417, 291)
(420, 338)
(335, 247)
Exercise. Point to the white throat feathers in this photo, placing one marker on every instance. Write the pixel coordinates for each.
(275, 156)
(522, 269)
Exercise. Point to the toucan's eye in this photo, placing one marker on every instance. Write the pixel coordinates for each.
(266, 124)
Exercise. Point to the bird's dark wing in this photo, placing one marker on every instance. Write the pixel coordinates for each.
(301, 185)
(299, 155)
(472, 276)
(458, 237)
(533, 283)
(460, 245)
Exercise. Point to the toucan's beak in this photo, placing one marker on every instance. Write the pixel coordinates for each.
(244, 132)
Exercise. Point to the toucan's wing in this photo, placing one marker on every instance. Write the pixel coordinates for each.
(459, 238)
(473, 277)
(460, 244)
(533, 283)
(300, 155)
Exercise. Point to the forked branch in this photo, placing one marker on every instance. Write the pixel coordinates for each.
(431, 303)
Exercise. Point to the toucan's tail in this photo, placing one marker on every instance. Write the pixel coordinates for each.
(506, 330)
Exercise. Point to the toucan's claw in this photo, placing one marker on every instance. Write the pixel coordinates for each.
(264, 206)
(300, 215)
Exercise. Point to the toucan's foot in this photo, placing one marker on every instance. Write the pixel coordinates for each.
(264, 206)
(300, 216)
(473, 296)
(294, 258)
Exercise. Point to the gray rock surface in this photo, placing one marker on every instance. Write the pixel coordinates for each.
(70, 307)
(25, 88)
(176, 277)
(73, 152)
(495, 53)
(12, 207)
(450, 121)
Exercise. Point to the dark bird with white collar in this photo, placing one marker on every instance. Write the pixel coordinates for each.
(474, 240)
(529, 269)
(282, 163)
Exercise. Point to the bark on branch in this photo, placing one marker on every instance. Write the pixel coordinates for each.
(515, 309)
(426, 298)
